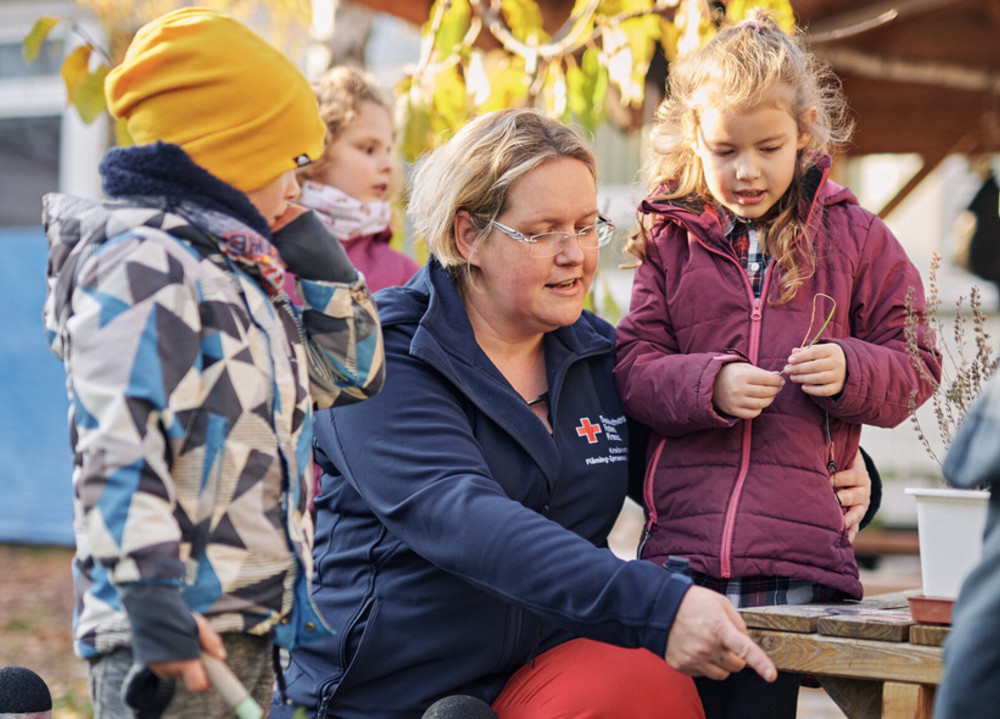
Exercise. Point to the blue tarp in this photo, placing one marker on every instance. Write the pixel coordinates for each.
(36, 501)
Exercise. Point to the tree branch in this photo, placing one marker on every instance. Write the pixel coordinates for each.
(873, 15)
(957, 77)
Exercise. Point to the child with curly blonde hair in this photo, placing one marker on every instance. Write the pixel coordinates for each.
(349, 186)
(766, 326)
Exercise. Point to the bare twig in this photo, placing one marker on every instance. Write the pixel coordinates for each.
(966, 365)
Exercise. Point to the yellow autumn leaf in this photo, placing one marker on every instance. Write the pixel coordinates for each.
(605, 7)
(74, 68)
(586, 89)
(635, 6)
(616, 56)
(413, 117)
(477, 82)
(508, 82)
(628, 48)
(449, 109)
(738, 9)
(669, 37)
(88, 98)
(554, 90)
(643, 33)
(38, 34)
(694, 28)
(524, 19)
(454, 25)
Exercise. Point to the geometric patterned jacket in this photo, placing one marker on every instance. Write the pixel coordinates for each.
(191, 395)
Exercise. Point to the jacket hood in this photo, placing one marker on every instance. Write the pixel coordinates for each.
(75, 228)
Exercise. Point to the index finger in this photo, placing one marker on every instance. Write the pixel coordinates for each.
(744, 647)
(209, 639)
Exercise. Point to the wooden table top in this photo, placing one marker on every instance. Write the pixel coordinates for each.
(883, 617)
(875, 638)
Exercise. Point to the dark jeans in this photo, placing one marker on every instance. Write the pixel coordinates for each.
(746, 696)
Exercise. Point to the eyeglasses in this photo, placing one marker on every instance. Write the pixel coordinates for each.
(549, 244)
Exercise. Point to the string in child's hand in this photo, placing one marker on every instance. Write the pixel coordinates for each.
(812, 321)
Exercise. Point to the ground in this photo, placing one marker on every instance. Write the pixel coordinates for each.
(36, 615)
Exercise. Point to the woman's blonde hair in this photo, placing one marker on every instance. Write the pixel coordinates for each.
(475, 170)
(341, 92)
(739, 69)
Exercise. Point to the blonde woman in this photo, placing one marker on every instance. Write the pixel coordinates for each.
(464, 512)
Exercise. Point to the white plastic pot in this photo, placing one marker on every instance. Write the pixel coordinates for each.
(950, 525)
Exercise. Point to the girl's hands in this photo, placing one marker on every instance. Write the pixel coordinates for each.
(743, 391)
(820, 369)
(854, 492)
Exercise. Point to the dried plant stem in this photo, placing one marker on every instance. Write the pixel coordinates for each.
(967, 361)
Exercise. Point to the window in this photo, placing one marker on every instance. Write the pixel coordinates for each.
(44, 147)
(29, 167)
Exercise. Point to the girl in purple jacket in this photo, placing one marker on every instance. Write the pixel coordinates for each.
(766, 326)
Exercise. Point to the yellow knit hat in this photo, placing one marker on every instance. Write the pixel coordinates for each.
(200, 79)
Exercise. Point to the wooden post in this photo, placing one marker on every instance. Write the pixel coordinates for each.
(907, 701)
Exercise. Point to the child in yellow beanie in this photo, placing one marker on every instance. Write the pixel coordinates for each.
(192, 379)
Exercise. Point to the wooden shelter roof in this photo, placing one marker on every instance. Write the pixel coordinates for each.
(922, 78)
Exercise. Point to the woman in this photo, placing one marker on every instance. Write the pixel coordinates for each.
(462, 525)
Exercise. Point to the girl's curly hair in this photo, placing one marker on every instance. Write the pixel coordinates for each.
(341, 92)
(738, 69)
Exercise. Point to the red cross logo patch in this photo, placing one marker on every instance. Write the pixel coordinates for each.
(589, 430)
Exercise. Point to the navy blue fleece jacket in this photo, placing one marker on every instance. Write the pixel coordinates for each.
(456, 537)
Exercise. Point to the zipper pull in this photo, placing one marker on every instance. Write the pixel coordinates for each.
(831, 467)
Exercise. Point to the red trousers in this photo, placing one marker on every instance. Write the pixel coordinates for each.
(585, 679)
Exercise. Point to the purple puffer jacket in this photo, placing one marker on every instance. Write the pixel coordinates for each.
(742, 498)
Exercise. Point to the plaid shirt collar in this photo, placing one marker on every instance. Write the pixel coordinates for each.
(745, 240)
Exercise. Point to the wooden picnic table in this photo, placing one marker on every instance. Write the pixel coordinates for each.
(870, 656)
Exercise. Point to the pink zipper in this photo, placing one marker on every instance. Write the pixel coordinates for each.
(725, 551)
(647, 485)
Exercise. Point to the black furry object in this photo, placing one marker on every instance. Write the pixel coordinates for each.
(23, 692)
(146, 693)
(459, 706)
